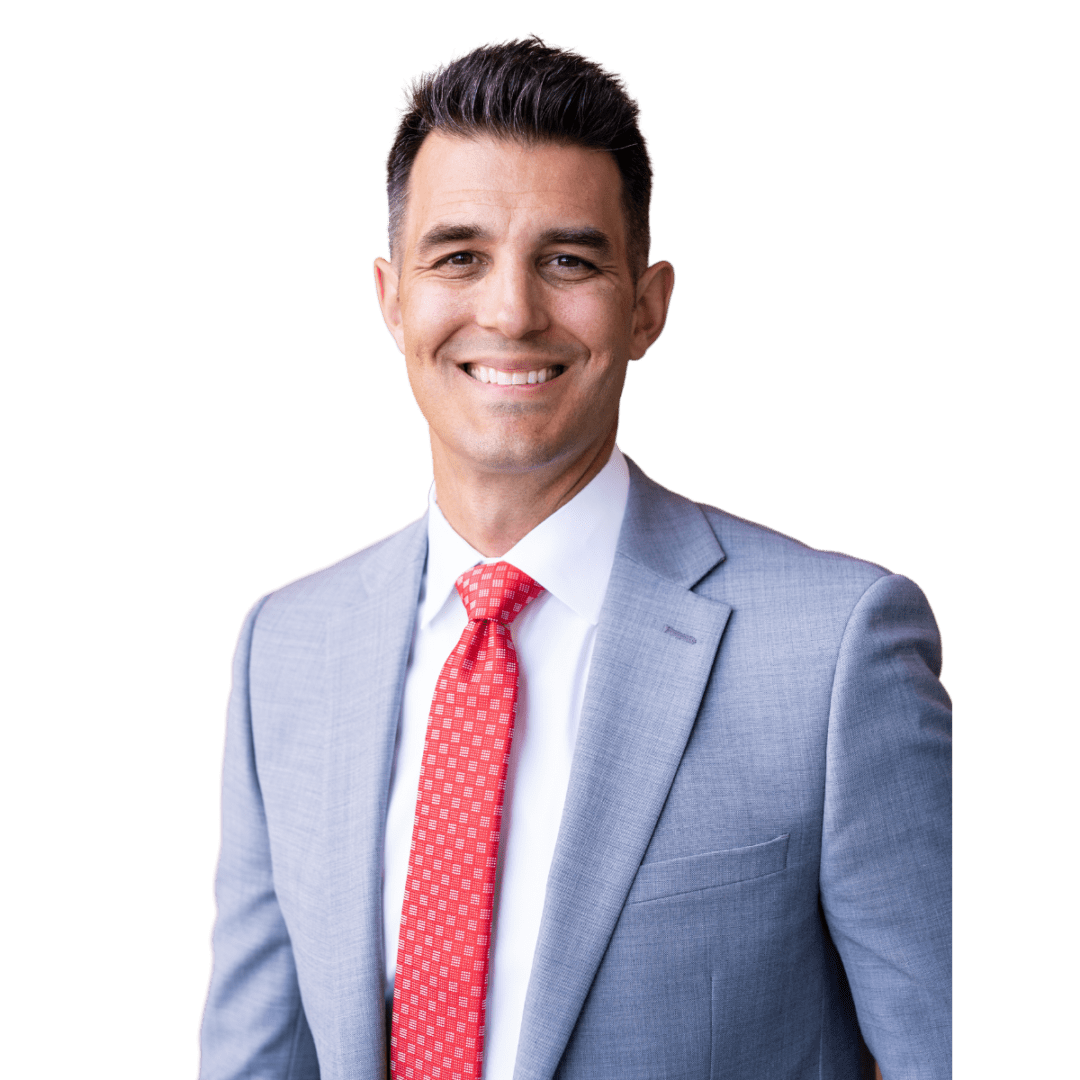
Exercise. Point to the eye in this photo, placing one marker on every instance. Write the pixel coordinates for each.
(570, 267)
(458, 264)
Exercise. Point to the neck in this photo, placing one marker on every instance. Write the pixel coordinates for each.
(494, 510)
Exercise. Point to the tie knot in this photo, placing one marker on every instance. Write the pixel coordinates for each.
(496, 591)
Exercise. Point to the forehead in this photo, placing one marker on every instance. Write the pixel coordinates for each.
(503, 184)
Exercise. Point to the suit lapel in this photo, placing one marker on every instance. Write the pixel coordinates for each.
(655, 646)
(367, 652)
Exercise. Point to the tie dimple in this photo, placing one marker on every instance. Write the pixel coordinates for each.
(440, 985)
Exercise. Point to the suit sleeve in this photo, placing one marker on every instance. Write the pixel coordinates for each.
(886, 845)
(254, 1025)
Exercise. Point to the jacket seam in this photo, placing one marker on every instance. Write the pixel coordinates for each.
(821, 1034)
(824, 793)
(832, 688)
(295, 1037)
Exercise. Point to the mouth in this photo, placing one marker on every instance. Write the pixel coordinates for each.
(498, 377)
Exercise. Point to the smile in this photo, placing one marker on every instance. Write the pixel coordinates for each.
(513, 378)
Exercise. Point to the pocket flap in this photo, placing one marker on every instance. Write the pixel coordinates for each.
(693, 873)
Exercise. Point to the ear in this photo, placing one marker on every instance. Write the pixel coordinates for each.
(651, 307)
(386, 289)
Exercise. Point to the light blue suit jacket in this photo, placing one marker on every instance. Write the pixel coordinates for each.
(752, 871)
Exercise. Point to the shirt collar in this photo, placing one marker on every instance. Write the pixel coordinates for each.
(570, 553)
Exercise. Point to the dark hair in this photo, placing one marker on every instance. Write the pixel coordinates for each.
(527, 91)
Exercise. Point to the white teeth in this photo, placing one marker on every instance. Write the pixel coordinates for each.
(510, 378)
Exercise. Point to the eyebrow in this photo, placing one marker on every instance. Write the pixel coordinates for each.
(439, 235)
(587, 237)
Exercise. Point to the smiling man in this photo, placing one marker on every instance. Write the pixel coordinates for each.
(515, 301)
(573, 776)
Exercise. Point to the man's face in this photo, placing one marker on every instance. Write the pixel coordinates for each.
(513, 301)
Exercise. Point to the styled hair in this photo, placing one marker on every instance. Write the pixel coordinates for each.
(528, 92)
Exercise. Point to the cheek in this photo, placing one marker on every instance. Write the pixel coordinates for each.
(596, 321)
(431, 315)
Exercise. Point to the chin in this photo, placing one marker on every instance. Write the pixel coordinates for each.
(514, 453)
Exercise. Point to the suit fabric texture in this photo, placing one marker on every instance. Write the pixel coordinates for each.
(751, 878)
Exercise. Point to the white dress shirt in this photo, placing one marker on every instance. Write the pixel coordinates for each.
(571, 554)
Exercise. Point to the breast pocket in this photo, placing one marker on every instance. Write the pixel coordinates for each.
(672, 877)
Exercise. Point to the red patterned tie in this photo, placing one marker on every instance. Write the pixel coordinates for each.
(440, 986)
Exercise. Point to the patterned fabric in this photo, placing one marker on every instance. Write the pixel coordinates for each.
(440, 986)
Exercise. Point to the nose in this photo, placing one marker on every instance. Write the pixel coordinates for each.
(511, 300)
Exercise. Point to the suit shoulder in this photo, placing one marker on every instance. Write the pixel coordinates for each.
(684, 539)
(350, 580)
(764, 558)
(781, 586)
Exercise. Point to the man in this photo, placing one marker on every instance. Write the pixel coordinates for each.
(573, 776)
